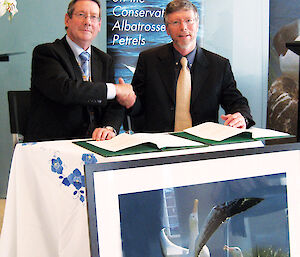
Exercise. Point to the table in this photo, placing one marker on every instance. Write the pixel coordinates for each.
(46, 212)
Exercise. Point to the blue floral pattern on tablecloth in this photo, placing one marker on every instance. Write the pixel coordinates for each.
(76, 178)
(89, 158)
(56, 165)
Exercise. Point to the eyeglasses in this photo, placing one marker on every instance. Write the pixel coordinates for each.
(83, 16)
(187, 22)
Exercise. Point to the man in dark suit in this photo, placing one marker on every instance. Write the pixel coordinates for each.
(212, 81)
(74, 97)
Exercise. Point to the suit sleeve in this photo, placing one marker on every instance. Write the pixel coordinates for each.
(232, 100)
(113, 113)
(57, 78)
(138, 84)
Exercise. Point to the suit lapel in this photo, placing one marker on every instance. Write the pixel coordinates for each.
(96, 66)
(199, 73)
(71, 57)
(166, 70)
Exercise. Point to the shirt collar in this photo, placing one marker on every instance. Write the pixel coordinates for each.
(190, 56)
(77, 50)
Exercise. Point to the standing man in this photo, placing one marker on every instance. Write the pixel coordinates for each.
(73, 95)
(208, 80)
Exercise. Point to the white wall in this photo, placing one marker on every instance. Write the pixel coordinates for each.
(239, 31)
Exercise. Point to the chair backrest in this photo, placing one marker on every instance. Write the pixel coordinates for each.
(19, 108)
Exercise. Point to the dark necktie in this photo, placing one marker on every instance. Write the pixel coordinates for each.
(183, 117)
(84, 58)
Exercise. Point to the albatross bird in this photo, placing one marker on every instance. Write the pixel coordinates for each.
(235, 251)
(218, 215)
(170, 249)
(215, 218)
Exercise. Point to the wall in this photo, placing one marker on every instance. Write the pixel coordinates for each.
(239, 31)
(43, 21)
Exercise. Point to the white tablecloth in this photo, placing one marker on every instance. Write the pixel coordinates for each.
(46, 212)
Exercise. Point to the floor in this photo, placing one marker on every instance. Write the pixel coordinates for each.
(2, 205)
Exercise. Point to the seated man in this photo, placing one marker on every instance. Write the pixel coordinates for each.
(71, 83)
(162, 103)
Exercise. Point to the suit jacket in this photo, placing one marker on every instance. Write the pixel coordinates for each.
(154, 82)
(62, 102)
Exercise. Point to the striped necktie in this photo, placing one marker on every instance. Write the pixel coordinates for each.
(183, 117)
(84, 58)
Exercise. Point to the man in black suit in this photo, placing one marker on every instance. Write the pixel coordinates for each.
(74, 97)
(212, 85)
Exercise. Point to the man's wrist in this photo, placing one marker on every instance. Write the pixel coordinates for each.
(111, 128)
(111, 91)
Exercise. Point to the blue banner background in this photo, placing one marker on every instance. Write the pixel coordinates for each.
(125, 54)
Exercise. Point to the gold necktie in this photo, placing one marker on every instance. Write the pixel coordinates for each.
(183, 117)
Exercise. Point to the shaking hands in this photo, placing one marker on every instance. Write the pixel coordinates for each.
(125, 94)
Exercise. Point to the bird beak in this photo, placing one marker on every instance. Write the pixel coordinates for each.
(227, 248)
(195, 208)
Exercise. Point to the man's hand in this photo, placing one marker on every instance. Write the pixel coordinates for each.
(101, 134)
(235, 120)
(125, 94)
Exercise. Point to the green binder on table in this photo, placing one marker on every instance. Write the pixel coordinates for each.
(240, 138)
(138, 149)
(230, 138)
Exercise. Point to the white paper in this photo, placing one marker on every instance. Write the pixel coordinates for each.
(219, 132)
(264, 133)
(213, 131)
(162, 140)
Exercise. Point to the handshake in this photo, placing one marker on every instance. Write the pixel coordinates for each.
(125, 94)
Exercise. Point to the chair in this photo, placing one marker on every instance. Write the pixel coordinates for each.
(19, 108)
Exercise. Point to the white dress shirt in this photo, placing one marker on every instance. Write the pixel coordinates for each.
(77, 50)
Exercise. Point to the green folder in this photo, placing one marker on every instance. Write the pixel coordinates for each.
(138, 149)
(240, 138)
(149, 147)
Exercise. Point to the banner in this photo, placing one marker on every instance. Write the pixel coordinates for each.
(134, 26)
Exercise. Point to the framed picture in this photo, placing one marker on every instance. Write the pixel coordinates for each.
(243, 201)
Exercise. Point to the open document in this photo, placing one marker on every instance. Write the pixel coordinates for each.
(161, 140)
(219, 132)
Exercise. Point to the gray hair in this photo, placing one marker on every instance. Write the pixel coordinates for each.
(71, 8)
(73, 2)
(179, 5)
